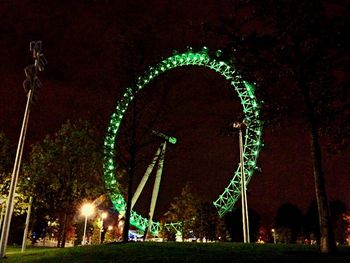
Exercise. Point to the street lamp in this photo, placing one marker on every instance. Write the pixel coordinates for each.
(245, 217)
(2, 204)
(274, 235)
(30, 85)
(86, 210)
(25, 233)
(103, 216)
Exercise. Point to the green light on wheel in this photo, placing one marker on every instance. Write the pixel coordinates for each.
(172, 140)
(245, 92)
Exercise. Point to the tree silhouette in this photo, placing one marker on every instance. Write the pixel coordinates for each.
(289, 223)
(234, 225)
(299, 51)
(183, 210)
(64, 170)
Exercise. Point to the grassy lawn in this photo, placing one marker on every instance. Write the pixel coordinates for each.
(178, 252)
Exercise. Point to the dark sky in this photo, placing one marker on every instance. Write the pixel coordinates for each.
(96, 48)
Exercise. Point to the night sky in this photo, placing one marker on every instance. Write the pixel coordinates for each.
(96, 48)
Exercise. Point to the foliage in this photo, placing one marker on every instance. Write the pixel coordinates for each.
(199, 219)
(16, 229)
(184, 210)
(233, 222)
(21, 200)
(65, 169)
(96, 226)
(112, 235)
(269, 55)
(346, 218)
(306, 51)
(208, 225)
(338, 220)
(339, 224)
(289, 222)
(6, 162)
(7, 155)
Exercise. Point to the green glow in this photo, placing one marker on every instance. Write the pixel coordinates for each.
(172, 140)
(253, 138)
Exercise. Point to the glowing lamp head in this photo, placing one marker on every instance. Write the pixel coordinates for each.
(87, 209)
(104, 215)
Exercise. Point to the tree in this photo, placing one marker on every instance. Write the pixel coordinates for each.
(96, 232)
(347, 230)
(7, 155)
(312, 225)
(183, 210)
(338, 211)
(64, 170)
(289, 223)
(208, 225)
(302, 50)
(234, 225)
(338, 221)
(21, 200)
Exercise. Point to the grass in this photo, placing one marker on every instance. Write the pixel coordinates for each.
(179, 252)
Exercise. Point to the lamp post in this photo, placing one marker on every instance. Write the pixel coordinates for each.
(2, 203)
(274, 235)
(245, 217)
(30, 85)
(86, 210)
(103, 216)
(25, 233)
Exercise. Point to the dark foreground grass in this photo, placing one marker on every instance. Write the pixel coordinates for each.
(179, 252)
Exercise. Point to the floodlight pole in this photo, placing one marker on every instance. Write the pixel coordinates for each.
(30, 84)
(25, 233)
(2, 212)
(245, 216)
(84, 235)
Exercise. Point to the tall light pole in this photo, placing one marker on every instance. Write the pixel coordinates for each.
(274, 235)
(30, 85)
(103, 216)
(245, 217)
(86, 210)
(2, 203)
(25, 233)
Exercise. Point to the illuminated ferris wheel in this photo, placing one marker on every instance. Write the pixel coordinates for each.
(252, 138)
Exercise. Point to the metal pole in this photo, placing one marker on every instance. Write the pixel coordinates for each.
(246, 211)
(2, 214)
(84, 235)
(101, 230)
(103, 216)
(242, 186)
(30, 84)
(27, 224)
(14, 179)
(245, 217)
